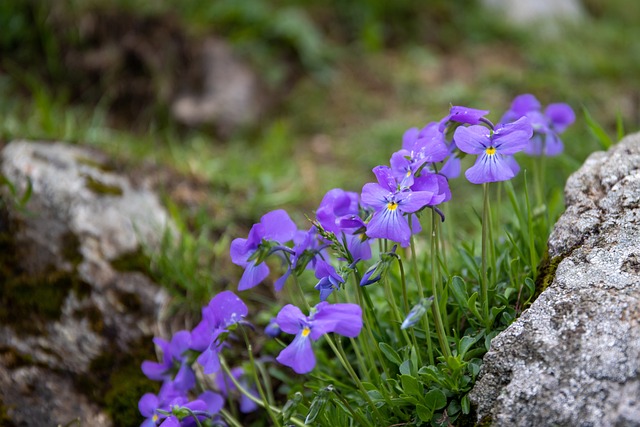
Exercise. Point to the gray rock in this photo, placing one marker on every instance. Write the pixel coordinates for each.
(544, 16)
(573, 358)
(232, 97)
(80, 219)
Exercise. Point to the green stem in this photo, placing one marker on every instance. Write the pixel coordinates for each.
(241, 389)
(193, 416)
(484, 285)
(267, 403)
(347, 366)
(230, 418)
(403, 281)
(533, 254)
(437, 316)
(425, 318)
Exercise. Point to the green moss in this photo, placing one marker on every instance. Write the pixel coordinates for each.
(28, 301)
(13, 359)
(116, 382)
(71, 248)
(547, 271)
(5, 420)
(101, 188)
(133, 261)
(104, 167)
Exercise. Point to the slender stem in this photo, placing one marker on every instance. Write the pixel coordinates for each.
(396, 314)
(263, 396)
(425, 318)
(403, 281)
(347, 366)
(230, 418)
(367, 343)
(193, 416)
(241, 389)
(533, 254)
(484, 285)
(356, 415)
(437, 316)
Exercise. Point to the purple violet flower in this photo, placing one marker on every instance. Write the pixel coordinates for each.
(206, 406)
(494, 149)
(418, 147)
(546, 126)
(391, 204)
(330, 280)
(343, 319)
(272, 329)
(464, 115)
(335, 205)
(224, 310)
(173, 359)
(275, 226)
(338, 213)
(151, 405)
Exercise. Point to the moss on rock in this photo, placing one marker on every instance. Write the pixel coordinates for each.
(116, 382)
(102, 188)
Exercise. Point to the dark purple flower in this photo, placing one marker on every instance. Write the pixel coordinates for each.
(224, 310)
(546, 126)
(390, 206)
(173, 362)
(343, 319)
(465, 115)
(275, 226)
(330, 280)
(494, 149)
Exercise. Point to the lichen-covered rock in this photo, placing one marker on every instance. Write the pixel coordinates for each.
(64, 307)
(573, 358)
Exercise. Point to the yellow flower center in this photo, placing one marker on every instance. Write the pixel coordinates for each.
(306, 331)
(155, 418)
(490, 151)
(392, 206)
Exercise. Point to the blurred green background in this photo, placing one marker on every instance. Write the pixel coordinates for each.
(345, 80)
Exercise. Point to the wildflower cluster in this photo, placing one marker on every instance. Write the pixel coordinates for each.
(386, 367)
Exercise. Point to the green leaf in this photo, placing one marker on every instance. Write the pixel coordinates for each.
(368, 386)
(405, 367)
(466, 342)
(466, 404)
(597, 130)
(411, 386)
(318, 404)
(390, 353)
(290, 407)
(619, 126)
(471, 305)
(435, 399)
(487, 340)
(459, 290)
(414, 361)
(425, 414)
